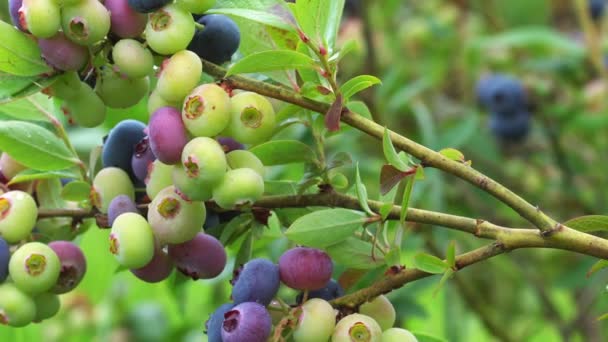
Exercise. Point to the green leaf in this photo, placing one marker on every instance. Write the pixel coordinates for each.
(424, 337)
(19, 54)
(338, 160)
(34, 146)
(30, 175)
(320, 19)
(447, 275)
(390, 154)
(35, 107)
(589, 223)
(362, 193)
(245, 251)
(357, 84)
(359, 107)
(235, 228)
(451, 254)
(280, 188)
(271, 60)
(393, 257)
(600, 265)
(430, 263)
(325, 227)
(453, 154)
(385, 210)
(14, 87)
(405, 201)
(354, 253)
(93, 158)
(261, 17)
(76, 191)
(279, 152)
(602, 317)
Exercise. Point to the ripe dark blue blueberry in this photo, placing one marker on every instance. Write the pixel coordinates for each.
(218, 41)
(596, 8)
(215, 321)
(510, 128)
(120, 144)
(147, 6)
(304, 268)
(119, 205)
(203, 257)
(142, 158)
(5, 256)
(246, 322)
(501, 94)
(331, 291)
(257, 281)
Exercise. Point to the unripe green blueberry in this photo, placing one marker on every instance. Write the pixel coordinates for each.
(169, 30)
(132, 58)
(252, 118)
(42, 17)
(155, 101)
(86, 107)
(316, 321)
(66, 85)
(179, 75)
(17, 309)
(18, 213)
(239, 187)
(191, 187)
(398, 335)
(86, 22)
(173, 219)
(206, 110)
(159, 177)
(62, 3)
(109, 183)
(241, 159)
(118, 91)
(34, 267)
(203, 158)
(132, 240)
(47, 306)
(196, 6)
(381, 310)
(357, 328)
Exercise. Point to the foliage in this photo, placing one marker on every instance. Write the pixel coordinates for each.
(363, 100)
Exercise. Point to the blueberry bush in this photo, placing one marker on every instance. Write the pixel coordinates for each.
(308, 171)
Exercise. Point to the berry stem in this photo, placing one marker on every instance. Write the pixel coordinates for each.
(427, 156)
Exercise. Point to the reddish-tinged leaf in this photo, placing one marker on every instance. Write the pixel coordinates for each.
(323, 91)
(332, 117)
(261, 215)
(391, 176)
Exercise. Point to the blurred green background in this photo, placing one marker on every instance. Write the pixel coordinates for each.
(429, 55)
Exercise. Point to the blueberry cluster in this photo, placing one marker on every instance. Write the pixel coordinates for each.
(32, 277)
(505, 98)
(255, 309)
(118, 75)
(32, 274)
